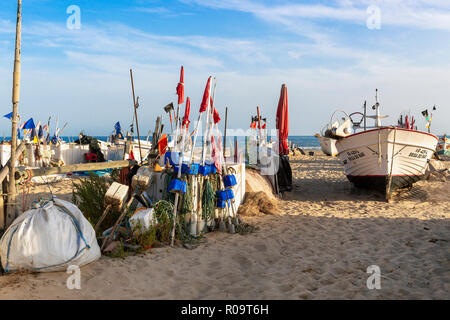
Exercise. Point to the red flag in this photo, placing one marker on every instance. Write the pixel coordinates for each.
(253, 125)
(206, 96)
(220, 144)
(180, 87)
(131, 156)
(264, 126)
(187, 111)
(406, 122)
(216, 116)
(283, 121)
(162, 144)
(215, 155)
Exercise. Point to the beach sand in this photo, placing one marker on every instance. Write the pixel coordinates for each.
(318, 246)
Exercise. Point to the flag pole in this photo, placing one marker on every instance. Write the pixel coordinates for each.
(259, 125)
(207, 128)
(136, 117)
(225, 132)
(12, 208)
(177, 195)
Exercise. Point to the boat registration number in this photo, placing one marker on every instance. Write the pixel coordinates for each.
(353, 155)
(419, 154)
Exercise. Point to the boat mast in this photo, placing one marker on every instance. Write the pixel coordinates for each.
(12, 208)
(377, 108)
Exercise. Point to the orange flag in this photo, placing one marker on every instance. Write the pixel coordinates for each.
(162, 144)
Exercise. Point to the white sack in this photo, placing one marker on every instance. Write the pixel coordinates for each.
(48, 239)
(145, 218)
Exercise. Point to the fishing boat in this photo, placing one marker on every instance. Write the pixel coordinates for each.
(443, 147)
(384, 158)
(327, 136)
(328, 146)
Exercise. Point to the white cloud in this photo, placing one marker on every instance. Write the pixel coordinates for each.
(421, 14)
(86, 74)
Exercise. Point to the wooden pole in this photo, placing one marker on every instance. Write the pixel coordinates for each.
(235, 150)
(2, 209)
(105, 213)
(177, 195)
(5, 170)
(191, 159)
(78, 167)
(12, 208)
(135, 116)
(225, 132)
(206, 141)
(259, 125)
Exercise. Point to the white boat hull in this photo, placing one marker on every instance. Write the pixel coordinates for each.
(328, 146)
(387, 158)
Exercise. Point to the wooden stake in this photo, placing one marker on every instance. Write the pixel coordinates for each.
(105, 213)
(5, 170)
(2, 208)
(12, 208)
(259, 125)
(177, 195)
(225, 132)
(135, 116)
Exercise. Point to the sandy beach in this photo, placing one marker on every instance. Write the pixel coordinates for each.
(318, 246)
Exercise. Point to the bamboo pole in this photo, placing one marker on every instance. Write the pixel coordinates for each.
(2, 210)
(225, 132)
(191, 159)
(177, 195)
(12, 208)
(136, 117)
(206, 142)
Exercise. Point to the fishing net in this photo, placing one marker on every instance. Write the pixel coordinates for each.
(188, 201)
(257, 203)
(208, 201)
(94, 146)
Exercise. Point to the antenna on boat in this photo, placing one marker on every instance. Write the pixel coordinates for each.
(365, 114)
(377, 109)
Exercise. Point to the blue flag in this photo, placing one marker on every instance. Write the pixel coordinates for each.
(9, 115)
(117, 127)
(29, 124)
(41, 132)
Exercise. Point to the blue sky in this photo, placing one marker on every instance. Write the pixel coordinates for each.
(323, 50)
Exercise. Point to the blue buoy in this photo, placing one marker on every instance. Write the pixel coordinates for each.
(229, 181)
(177, 186)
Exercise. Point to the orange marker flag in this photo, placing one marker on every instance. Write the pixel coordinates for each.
(162, 144)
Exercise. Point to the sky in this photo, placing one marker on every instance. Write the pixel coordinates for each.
(331, 55)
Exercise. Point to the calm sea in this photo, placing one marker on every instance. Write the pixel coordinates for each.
(308, 142)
